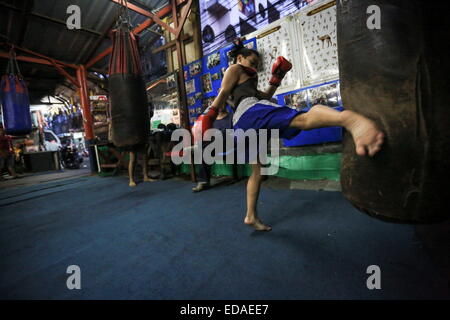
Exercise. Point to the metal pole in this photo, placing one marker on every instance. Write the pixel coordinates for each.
(87, 117)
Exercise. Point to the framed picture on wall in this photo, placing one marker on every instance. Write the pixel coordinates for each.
(216, 76)
(190, 86)
(171, 82)
(327, 95)
(229, 58)
(191, 101)
(213, 60)
(298, 100)
(206, 82)
(195, 68)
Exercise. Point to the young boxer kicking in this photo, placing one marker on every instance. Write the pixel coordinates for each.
(255, 111)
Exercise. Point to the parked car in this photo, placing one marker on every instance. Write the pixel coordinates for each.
(52, 142)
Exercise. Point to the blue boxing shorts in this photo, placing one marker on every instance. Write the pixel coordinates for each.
(253, 113)
(256, 114)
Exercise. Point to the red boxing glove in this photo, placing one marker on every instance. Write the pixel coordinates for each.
(204, 122)
(279, 69)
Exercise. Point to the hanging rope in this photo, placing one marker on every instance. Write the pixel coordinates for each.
(125, 54)
(13, 75)
(123, 16)
(12, 67)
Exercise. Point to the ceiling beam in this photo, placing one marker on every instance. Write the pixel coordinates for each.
(146, 13)
(99, 42)
(147, 23)
(65, 64)
(103, 54)
(170, 44)
(45, 62)
(162, 13)
(27, 59)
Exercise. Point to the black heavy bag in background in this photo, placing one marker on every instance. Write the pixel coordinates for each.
(130, 122)
(399, 77)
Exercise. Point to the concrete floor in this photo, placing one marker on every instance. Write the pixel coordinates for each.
(32, 178)
(161, 241)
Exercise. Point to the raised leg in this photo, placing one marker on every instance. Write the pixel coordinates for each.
(367, 136)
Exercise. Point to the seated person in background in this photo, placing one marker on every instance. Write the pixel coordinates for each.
(166, 148)
(223, 121)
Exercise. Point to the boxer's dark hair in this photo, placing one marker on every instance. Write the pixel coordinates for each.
(240, 49)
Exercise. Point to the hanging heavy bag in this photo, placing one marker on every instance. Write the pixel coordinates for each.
(130, 122)
(14, 100)
(397, 75)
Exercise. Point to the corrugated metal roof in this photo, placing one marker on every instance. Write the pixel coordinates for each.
(39, 25)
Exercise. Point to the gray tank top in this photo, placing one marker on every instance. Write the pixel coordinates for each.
(244, 90)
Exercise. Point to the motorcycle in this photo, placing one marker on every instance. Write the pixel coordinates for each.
(70, 157)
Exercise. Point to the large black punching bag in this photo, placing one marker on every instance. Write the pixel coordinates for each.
(398, 75)
(130, 122)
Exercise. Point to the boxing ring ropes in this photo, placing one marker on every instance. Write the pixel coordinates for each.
(175, 7)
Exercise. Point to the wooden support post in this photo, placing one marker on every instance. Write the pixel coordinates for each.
(184, 16)
(65, 74)
(184, 112)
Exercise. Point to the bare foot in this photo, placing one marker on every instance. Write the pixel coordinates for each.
(132, 184)
(257, 224)
(148, 179)
(366, 135)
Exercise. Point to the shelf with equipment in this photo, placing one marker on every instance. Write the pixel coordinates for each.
(100, 116)
(165, 102)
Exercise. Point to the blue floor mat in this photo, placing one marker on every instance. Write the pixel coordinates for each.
(161, 241)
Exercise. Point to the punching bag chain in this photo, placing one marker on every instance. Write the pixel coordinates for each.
(12, 67)
(123, 20)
